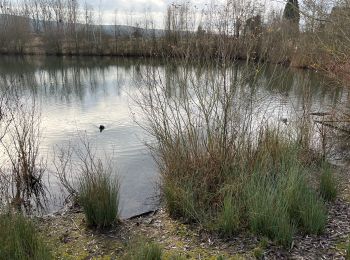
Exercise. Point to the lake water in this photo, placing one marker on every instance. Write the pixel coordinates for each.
(76, 95)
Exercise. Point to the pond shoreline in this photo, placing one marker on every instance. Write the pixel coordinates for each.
(69, 232)
(68, 235)
(286, 64)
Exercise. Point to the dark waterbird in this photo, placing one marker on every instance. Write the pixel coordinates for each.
(284, 120)
(102, 127)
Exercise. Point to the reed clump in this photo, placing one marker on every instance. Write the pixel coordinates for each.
(328, 184)
(98, 194)
(19, 239)
(217, 165)
(264, 189)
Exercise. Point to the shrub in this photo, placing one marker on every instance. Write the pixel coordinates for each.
(205, 144)
(328, 185)
(19, 239)
(98, 194)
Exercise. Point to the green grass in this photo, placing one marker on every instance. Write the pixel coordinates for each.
(280, 203)
(98, 194)
(347, 256)
(258, 253)
(180, 200)
(269, 192)
(229, 218)
(144, 250)
(313, 214)
(328, 184)
(268, 210)
(19, 239)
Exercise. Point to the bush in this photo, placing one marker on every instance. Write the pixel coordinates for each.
(98, 194)
(328, 185)
(268, 191)
(19, 239)
(205, 144)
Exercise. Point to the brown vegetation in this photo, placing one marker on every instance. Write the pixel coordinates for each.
(235, 30)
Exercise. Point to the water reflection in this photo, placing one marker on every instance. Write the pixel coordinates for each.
(80, 94)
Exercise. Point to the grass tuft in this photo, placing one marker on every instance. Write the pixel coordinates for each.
(144, 250)
(328, 185)
(268, 211)
(269, 192)
(98, 194)
(313, 214)
(19, 239)
(229, 218)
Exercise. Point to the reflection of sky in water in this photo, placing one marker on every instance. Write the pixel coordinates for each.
(80, 94)
(106, 101)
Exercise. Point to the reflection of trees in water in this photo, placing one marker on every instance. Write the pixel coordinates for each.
(254, 78)
(73, 79)
(66, 79)
(293, 82)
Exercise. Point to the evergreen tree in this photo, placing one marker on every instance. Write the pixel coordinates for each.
(291, 11)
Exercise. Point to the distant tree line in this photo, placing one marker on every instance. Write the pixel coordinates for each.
(311, 34)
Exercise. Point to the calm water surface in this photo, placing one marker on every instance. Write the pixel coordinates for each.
(76, 95)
